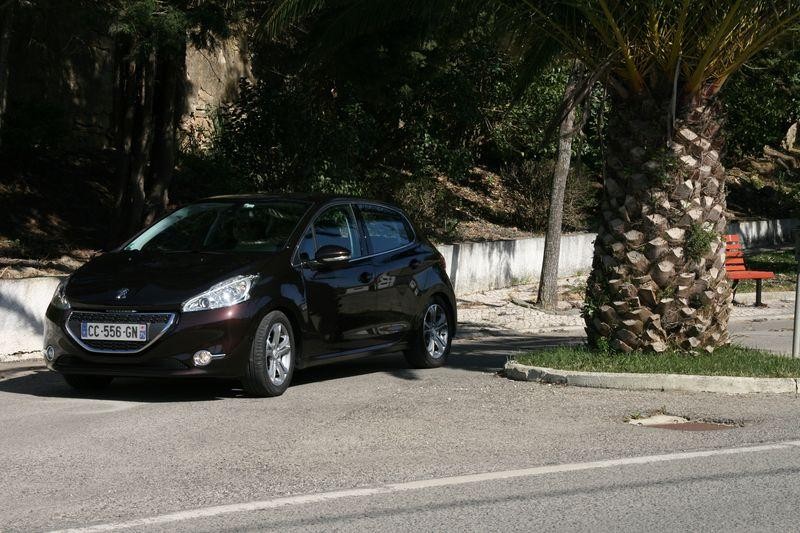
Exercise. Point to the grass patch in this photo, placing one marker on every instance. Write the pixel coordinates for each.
(726, 361)
(781, 262)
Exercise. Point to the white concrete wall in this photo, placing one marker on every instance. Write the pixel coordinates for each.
(23, 303)
(478, 266)
(472, 266)
(765, 232)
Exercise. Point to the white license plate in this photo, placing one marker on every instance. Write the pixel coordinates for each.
(113, 332)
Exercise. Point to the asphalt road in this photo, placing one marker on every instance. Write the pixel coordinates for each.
(145, 450)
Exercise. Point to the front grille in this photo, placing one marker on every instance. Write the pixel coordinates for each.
(157, 325)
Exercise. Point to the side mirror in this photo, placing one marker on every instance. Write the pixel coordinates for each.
(330, 254)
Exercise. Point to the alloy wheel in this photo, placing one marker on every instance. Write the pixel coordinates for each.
(435, 331)
(279, 354)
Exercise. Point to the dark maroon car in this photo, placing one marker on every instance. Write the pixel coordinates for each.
(253, 287)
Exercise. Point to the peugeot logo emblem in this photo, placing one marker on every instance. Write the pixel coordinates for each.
(121, 295)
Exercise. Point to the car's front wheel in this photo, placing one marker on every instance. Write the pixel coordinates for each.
(272, 357)
(84, 383)
(430, 344)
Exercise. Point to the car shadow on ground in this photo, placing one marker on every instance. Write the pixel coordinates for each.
(475, 354)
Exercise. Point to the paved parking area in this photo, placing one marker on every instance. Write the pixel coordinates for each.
(145, 448)
(148, 448)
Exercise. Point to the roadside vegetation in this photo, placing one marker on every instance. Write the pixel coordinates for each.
(730, 360)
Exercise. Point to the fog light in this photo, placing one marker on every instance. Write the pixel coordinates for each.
(50, 353)
(202, 358)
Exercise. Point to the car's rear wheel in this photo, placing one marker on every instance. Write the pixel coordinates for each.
(272, 357)
(430, 343)
(84, 383)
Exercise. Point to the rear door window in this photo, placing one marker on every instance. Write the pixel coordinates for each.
(386, 228)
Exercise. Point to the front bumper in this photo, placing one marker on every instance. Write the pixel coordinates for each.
(225, 331)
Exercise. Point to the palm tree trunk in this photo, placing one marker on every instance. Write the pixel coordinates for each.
(548, 282)
(658, 279)
(6, 24)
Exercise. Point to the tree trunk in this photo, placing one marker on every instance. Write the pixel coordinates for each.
(658, 279)
(123, 114)
(134, 89)
(134, 205)
(548, 282)
(167, 110)
(6, 23)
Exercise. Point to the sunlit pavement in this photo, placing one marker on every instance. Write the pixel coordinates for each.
(144, 449)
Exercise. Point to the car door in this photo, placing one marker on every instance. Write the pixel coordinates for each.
(396, 263)
(339, 296)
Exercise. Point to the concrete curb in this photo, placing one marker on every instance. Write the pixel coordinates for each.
(662, 382)
(21, 357)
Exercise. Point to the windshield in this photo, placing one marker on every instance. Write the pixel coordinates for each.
(223, 227)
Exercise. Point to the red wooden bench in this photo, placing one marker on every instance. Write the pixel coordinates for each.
(737, 269)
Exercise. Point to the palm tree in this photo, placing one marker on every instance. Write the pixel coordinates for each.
(658, 279)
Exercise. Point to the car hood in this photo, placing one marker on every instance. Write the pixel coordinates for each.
(155, 280)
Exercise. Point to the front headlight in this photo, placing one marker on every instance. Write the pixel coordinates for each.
(229, 292)
(59, 297)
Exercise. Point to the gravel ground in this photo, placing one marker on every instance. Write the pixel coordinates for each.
(508, 309)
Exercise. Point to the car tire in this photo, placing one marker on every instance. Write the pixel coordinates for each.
(87, 383)
(272, 357)
(431, 339)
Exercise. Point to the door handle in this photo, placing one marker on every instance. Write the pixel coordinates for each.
(365, 277)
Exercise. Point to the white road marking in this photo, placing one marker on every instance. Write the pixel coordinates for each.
(390, 488)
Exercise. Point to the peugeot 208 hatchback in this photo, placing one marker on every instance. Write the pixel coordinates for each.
(253, 287)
